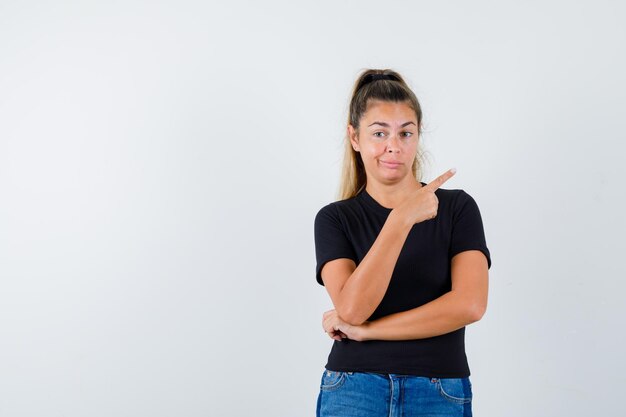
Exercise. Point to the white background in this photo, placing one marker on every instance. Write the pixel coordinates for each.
(161, 164)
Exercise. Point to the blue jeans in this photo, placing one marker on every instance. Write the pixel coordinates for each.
(365, 394)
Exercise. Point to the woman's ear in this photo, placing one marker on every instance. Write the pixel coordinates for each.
(354, 137)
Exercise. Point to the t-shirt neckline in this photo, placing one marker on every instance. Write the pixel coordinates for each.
(375, 205)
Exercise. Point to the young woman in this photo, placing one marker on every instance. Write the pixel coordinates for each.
(405, 264)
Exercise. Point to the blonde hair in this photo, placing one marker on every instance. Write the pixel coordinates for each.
(367, 87)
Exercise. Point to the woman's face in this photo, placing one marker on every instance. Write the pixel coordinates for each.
(387, 140)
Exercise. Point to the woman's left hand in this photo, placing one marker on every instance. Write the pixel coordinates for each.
(338, 329)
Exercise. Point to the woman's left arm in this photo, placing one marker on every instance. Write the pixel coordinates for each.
(465, 303)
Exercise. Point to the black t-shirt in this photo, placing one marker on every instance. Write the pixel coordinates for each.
(348, 228)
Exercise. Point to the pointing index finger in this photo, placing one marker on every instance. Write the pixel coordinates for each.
(438, 182)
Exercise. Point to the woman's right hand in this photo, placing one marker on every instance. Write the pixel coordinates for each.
(423, 204)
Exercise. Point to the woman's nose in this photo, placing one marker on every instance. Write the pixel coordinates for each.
(393, 144)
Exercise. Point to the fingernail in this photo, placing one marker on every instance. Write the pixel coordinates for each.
(453, 170)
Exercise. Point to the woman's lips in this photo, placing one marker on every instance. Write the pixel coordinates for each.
(391, 164)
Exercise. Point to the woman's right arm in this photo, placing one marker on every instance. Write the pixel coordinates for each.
(357, 291)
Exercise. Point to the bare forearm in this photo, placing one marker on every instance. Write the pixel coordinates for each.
(445, 314)
(366, 287)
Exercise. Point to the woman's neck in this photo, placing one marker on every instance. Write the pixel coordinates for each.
(391, 196)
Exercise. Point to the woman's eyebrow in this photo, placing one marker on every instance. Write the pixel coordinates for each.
(387, 124)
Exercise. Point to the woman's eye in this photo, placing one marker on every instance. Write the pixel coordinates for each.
(382, 134)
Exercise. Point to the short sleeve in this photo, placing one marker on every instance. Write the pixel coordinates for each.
(331, 240)
(467, 227)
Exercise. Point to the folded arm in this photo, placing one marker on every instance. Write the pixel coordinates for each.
(465, 303)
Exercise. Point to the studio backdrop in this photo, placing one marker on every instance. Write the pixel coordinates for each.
(161, 164)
